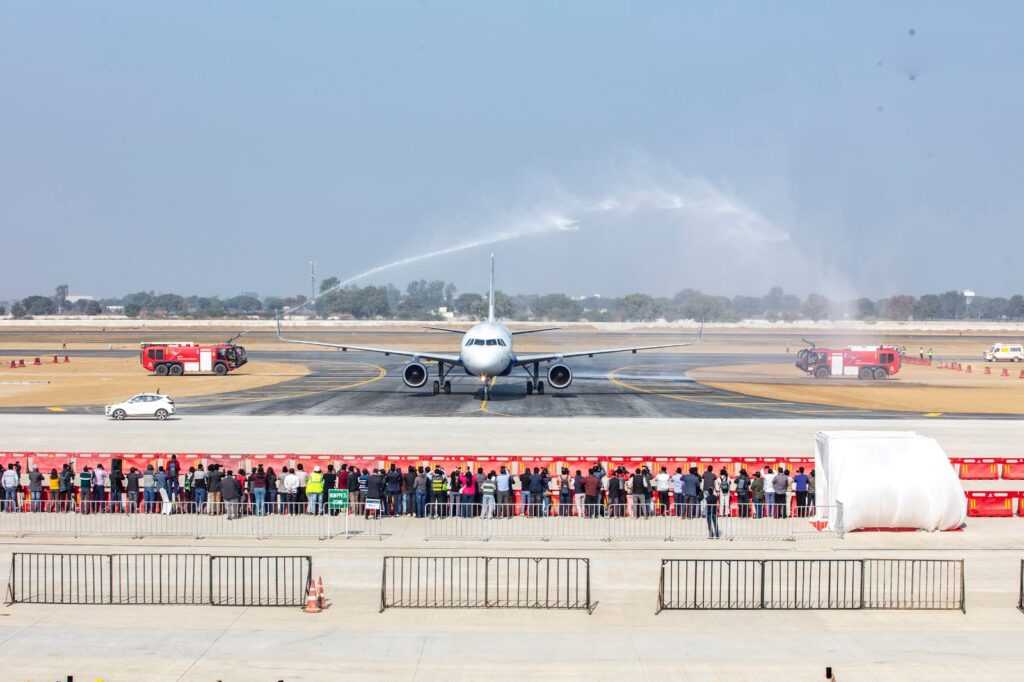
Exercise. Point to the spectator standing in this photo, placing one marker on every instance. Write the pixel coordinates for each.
(161, 489)
(84, 489)
(565, 493)
(640, 507)
(725, 498)
(780, 484)
(271, 483)
(132, 490)
(537, 488)
(353, 487)
(811, 501)
(290, 489)
(374, 492)
(393, 488)
(503, 495)
(215, 477)
(188, 486)
(10, 481)
(800, 484)
(53, 492)
(579, 494)
(199, 490)
(711, 509)
(757, 492)
(116, 483)
(488, 487)
(99, 483)
(524, 483)
(259, 490)
(648, 490)
(591, 492)
(67, 487)
(769, 492)
(343, 480)
(231, 491)
(616, 495)
(35, 489)
(662, 484)
(439, 493)
(315, 490)
(742, 485)
(419, 488)
(468, 493)
(330, 483)
(173, 471)
(300, 492)
(677, 491)
(691, 488)
(409, 488)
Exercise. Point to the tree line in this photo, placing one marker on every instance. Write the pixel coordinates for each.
(423, 300)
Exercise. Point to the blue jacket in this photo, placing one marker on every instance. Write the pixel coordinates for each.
(691, 485)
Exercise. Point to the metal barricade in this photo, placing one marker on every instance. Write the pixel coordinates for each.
(260, 580)
(159, 579)
(811, 584)
(929, 584)
(598, 522)
(1020, 594)
(486, 582)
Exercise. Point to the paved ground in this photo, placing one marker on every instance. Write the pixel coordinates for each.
(642, 385)
(623, 639)
(441, 435)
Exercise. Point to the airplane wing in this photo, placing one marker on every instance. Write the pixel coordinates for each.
(451, 358)
(528, 358)
(533, 331)
(445, 329)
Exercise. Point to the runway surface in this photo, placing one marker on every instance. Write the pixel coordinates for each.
(642, 385)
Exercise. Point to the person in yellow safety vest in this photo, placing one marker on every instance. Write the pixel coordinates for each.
(438, 494)
(315, 490)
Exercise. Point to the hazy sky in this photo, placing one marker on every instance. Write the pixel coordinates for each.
(212, 148)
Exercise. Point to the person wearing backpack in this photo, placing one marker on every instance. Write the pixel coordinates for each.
(173, 470)
(742, 484)
(725, 499)
(564, 493)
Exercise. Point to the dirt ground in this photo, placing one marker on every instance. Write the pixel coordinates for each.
(915, 388)
(90, 381)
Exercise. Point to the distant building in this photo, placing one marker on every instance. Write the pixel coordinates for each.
(81, 297)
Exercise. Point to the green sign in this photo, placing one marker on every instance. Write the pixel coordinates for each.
(337, 499)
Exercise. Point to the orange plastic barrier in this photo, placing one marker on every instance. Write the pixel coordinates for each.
(1013, 469)
(991, 503)
(978, 469)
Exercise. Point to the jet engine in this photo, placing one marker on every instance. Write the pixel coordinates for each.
(559, 376)
(414, 375)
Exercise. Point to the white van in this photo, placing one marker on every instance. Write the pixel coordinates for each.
(1005, 352)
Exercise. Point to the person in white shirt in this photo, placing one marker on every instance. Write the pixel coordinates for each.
(10, 481)
(662, 483)
(769, 491)
(724, 497)
(291, 491)
(677, 491)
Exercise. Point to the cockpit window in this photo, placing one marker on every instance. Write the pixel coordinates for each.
(478, 342)
(501, 342)
(492, 342)
(469, 342)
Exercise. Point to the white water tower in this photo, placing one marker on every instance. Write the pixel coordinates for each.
(968, 297)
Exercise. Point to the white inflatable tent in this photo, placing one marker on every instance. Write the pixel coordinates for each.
(887, 479)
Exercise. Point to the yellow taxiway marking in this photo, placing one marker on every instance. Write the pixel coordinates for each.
(932, 414)
(56, 409)
(483, 405)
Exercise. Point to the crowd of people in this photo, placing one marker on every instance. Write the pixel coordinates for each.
(418, 491)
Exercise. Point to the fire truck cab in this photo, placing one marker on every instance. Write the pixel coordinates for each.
(863, 362)
(175, 358)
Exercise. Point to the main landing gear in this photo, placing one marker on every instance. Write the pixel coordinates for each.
(443, 384)
(534, 383)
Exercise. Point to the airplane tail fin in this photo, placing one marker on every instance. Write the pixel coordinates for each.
(490, 295)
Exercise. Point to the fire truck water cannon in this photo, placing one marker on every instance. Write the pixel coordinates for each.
(863, 362)
(175, 358)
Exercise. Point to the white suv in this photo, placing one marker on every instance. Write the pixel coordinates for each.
(1010, 352)
(142, 405)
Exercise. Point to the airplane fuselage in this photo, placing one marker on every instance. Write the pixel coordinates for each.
(487, 350)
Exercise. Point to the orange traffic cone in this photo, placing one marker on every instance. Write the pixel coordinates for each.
(66, 359)
(312, 605)
(14, 365)
(969, 370)
(988, 370)
(21, 363)
(37, 361)
(1005, 373)
(55, 361)
(321, 600)
(1021, 374)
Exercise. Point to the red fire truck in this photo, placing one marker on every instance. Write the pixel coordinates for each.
(863, 362)
(178, 357)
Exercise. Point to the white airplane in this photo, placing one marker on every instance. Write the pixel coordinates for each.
(487, 353)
